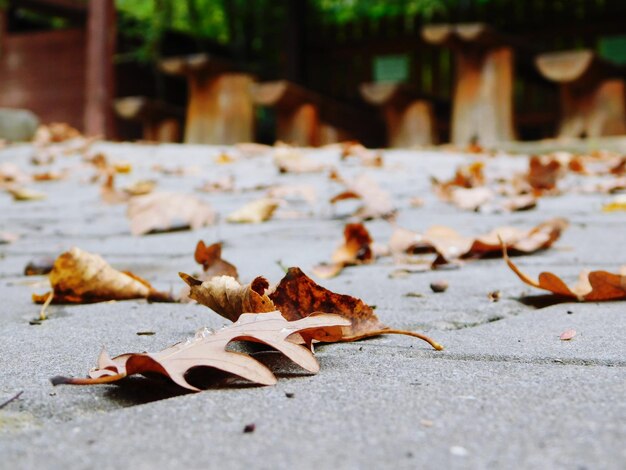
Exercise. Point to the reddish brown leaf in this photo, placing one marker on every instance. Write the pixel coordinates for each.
(210, 257)
(591, 286)
(356, 249)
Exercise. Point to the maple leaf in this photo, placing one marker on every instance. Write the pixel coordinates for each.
(80, 277)
(209, 350)
(376, 202)
(591, 286)
(450, 245)
(210, 257)
(356, 249)
(254, 212)
(162, 212)
(296, 296)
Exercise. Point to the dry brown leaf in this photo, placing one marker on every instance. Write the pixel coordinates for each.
(49, 176)
(22, 194)
(163, 212)
(209, 350)
(228, 298)
(210, 257)
(55, 132)
(450, 245)
(224, 184)
(254, 212)
(79, 277)
(291, 160)
(376, 202)
(302, 191)
(544, 173)
(591, 286)
(356, 249)
(11, 173)
(8, 237)
(297, 296)
(366, 156)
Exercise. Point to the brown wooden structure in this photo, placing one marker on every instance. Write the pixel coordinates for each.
(219, 107)
(63, 75)
(409, 119)
(482, 106)
(306, 118)
(160, 121)
(593, 99)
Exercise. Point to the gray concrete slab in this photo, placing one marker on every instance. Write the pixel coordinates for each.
(506, 392)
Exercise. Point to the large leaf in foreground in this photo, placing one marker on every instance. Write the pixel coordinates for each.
(210, 351)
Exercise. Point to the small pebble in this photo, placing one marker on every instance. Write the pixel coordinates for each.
(249, 428)
(439, 286)
(290, 394)
(494, 296)
(458, 451)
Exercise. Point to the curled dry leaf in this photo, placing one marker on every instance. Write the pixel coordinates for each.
(224, 184)
(376, 202)
(449, 245)
(591, 286)
(55, 132)
(544, 172)
(163, 212)
(366, 156)
(356, 249)
(24, 194)
(297, 296)
(209, 350)
(79, 277)
(254, 212)
(291, 160)
(226, 297)
(301, 191)
(210, 257)
(110, 195)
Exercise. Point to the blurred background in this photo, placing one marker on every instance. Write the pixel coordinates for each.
(70, 60)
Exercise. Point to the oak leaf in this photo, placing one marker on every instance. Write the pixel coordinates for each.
(296, 296)
(356, 249)
(78, 277)
(162, 212)
(209, 350)
(591, 286)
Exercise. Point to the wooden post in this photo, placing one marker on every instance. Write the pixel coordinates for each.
(482, 107)
(593, 99)
(219, 108)
(410, 120)
(100, 81)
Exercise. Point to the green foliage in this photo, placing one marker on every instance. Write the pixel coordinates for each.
(342, 11)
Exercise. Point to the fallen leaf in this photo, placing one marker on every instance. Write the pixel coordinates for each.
(209, 350)
(55, 132)
(24, 194)
(224, 159)
(224, 184)
(163, 212)
(210, 257)
(544, 172)
(617, 204)
(356, 249)
(79, 277)
(39, 267)
(567, 335)
(49, 176)
(227, 297)
(291, 160)
(366, 156)
(140, 187)
(449, 245)
(11, 173)
(8, 237)
(254, 212)
(296, 297)
(302, 191)
(376, 202)
(591, 286)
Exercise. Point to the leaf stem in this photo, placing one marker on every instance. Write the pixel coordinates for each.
(390, 331)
